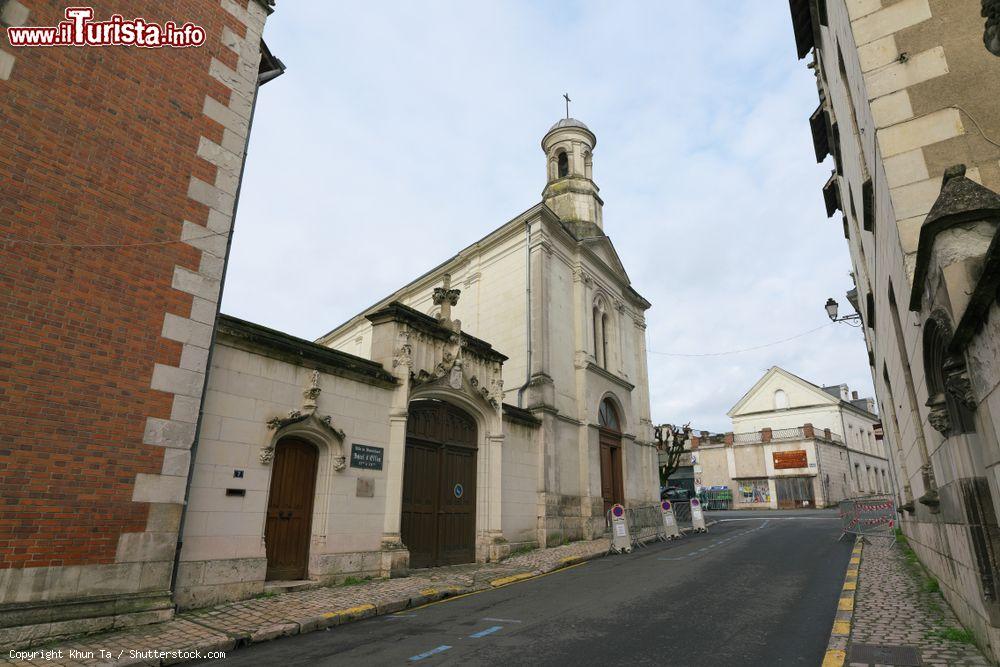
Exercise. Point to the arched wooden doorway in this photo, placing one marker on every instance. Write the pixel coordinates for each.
(612, 486)
(438, 523)
(289, 509)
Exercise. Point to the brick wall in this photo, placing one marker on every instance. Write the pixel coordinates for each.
(118, 177)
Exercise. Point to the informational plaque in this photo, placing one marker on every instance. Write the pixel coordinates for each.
(366, 457)
(877, 429)
(793, 459)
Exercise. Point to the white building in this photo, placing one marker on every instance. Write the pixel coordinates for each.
(500, 400)
(796, 444)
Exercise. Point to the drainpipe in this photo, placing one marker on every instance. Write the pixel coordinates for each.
(527, 299)
(262, 78)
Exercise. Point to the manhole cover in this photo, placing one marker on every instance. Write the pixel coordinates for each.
(874, 654)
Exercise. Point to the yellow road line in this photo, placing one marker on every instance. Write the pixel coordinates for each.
(465, 595)
(842, 628)
(846, 604)
(834, 658)
(360, 609)
(850, 585)
(503, 581)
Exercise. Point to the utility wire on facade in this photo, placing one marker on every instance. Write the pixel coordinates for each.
(745, 349)
(59, 244)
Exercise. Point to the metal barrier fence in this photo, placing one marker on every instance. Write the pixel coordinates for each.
(868, 516)
(716, 499)
(682, 511)
(645, 524)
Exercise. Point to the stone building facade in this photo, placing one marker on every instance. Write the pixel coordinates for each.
(907, 110)
(784, 421)
(499, 401)
(119, 175)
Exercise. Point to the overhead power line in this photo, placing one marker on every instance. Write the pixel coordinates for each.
(59, 244)
(745, 349)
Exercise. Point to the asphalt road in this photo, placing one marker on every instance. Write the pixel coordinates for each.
(757, 590)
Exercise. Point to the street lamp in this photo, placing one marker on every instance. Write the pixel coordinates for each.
(831, 310)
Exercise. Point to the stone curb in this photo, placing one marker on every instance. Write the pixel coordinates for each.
(840, 634)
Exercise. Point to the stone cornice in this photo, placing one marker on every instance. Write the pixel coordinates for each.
(610, 376)
(426, 324)
(284, 347)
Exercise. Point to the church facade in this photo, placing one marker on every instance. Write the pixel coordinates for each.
(498, 401)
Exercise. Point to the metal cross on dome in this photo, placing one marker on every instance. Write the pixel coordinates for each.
(566, 95)
(446, 297)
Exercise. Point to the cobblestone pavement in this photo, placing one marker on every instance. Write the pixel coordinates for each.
(896, 604)
(227, 626)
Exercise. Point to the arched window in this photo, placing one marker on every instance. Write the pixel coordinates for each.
(603, 334)
(588, 165)
(604, 339)
(607, 416)
(563, 164)
(780, 400)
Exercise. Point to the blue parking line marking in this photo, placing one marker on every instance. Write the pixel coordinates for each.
(433, 651)
(487, 631)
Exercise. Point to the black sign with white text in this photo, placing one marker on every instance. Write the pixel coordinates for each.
(363, 456)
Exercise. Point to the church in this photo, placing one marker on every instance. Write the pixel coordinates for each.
(497, 402)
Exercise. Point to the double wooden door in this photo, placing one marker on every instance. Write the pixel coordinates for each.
(612, 486)
(289, 510)
(438, 522)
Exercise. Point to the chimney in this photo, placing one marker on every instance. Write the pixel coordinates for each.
(808, 431)
(765, 434)
(729, 439)
(854, 395)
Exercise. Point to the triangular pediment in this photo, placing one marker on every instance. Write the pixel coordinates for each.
(604, 249)
(799, 393)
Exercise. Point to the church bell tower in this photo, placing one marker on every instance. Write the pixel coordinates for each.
(570, 190)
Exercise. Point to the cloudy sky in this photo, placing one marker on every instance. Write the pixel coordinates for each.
(403, 131)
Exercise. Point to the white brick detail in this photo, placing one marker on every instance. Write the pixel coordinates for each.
(167, 433)
(196, 284)
(177, 381)
(891, 19)
(204, 239)
(896, 76)
(891, 109)
(6, 65)
(877, 54)
(158, 488)
(183, 330)
(858, 8)
(919, 132)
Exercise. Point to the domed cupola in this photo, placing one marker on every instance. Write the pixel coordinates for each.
(570, 190)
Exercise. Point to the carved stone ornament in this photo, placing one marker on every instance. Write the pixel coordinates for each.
(403, 355)
(455, 375)
(938, 417)
(991, 34)
(307, 412)
(957, 382)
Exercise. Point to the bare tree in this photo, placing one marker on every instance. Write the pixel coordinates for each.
(671, 440)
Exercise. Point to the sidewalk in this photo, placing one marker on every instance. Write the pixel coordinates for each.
(228, 626)
(896, 604)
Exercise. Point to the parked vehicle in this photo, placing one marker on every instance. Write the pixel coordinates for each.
(674, 494)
